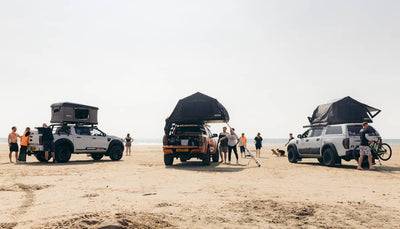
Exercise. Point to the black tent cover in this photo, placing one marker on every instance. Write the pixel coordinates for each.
(346, 110)
(197, 109)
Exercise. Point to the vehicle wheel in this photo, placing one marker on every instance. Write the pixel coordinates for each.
(40, 157)
(329, 157)
(320, 160)
(116, 153)
(63, 153)
(385, 152)
(215, 157)
(292, 155)
(206, 160)
(97, 156)
(168, 159)
(365, 163)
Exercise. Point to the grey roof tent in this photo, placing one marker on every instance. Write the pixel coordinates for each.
(346, 110)
(195, 109)
(73, 113)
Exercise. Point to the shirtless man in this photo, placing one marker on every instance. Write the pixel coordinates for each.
(13, 143)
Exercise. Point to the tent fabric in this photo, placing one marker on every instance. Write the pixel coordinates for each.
(196, 109)
(346, 110)
(73, 113)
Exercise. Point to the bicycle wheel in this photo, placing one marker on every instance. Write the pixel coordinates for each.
(385, 152)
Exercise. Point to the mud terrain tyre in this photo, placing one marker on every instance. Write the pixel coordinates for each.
(329, 157)
(168, 159)
(293, 155)
(40, 157)
(97, 156)
(206, 159)
(116, 153)
(63, 153)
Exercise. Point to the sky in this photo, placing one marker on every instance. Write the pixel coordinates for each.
(270, 63)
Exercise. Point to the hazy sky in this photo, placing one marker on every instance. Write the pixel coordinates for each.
(269, 62)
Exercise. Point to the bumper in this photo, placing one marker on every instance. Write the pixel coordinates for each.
(182, 150)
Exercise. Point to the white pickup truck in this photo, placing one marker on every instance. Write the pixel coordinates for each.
(78, 139)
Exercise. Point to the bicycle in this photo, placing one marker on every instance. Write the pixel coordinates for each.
(382, 150)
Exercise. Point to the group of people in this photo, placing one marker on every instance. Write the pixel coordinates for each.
(21, 150)
(229, 141)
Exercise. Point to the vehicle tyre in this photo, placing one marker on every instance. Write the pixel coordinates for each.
(116, 153)
(385, 152)
(168, 159)
(215, 157)
(206, 160)
(293, 155)
(320, 160)
(63, 153)
(97, 156)
(329, 157)
(40, 157)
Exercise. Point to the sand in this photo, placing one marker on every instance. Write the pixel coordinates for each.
(140, 192)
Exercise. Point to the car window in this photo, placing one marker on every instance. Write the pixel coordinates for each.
(82, 130)
(63, 130)
(306, 134)
(96, 132)
(331, 130)
(316, 132)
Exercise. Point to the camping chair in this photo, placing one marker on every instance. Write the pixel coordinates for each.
(249, 154)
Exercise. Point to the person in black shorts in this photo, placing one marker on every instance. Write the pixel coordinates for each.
(13, 143)
(258, 140)
(223, 144)
(48, 142)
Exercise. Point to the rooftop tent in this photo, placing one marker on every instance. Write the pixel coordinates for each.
(73, 113)
(197, 108)
(346, 110)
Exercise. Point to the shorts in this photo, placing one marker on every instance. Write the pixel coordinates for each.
(258, 146)
(224, 149)
(14, 147)
(365, 151)
(48, 147)
(242, 149)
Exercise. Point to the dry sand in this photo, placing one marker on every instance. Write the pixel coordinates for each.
(140, 192)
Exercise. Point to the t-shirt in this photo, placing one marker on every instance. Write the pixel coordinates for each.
(258, 140)
(243, 141)
(223, 139)
(364, 138)
(232, 139)
(47, 136)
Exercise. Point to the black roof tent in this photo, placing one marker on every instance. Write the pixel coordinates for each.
(341, 111)
(73, 113)
(197, 109)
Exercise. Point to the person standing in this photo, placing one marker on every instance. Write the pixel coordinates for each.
(258, 140)
(243, 145)
(128, 144)
(24, 145)
(48, 143)
(13, 144)
(290, 139)
(233, 140)
(223, 144)
(365, 150)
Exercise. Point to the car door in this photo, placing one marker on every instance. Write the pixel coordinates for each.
(315, 142)
(303, 145)
(99, 141)
(83, 139)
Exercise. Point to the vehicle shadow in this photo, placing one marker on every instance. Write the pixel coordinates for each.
(214, 167)
(378, 168)
(77, 162)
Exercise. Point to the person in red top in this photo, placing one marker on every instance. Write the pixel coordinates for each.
(24, 145)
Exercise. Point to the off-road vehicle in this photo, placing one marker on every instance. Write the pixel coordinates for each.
(75, 130)
(190, 141)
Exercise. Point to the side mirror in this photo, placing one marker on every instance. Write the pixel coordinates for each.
(215, 135)
(299, 136)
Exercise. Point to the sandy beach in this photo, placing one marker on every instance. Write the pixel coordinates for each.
(140, 192)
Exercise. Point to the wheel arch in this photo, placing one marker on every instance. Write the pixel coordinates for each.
(65, 141)
(113, 143)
